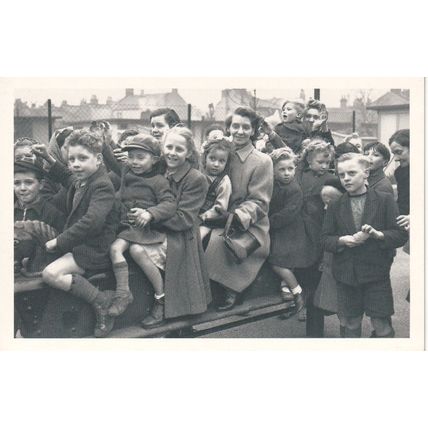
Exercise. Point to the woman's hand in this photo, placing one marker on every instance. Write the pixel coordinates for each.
(404, 221)
(139, 216)
(51, 245)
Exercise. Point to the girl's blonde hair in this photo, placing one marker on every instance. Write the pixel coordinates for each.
(186, 133)
(283, 153)
(315, 146)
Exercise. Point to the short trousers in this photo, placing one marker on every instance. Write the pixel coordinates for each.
(372, 298)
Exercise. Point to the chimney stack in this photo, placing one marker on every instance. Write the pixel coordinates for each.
(129, 92)
(343, 102)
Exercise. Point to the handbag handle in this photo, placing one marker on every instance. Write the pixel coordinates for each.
(228, 224)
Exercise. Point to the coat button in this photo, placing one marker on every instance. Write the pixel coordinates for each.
(73, 329)
(29, 308)
(39, 332)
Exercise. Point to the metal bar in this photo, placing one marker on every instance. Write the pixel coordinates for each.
(353, 120)
(317, 93)
(49, 118)
(189, 116)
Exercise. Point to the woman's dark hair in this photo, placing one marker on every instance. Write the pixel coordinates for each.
(244, 112)
(343, 148)
(171, 117)
(379, 148)
(127, 133)
(401, 137)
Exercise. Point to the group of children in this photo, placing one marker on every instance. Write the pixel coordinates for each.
(151, 196)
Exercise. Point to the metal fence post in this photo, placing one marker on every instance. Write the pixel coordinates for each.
(353, 120)
(189, 116)
(317, 93)
(49, 118)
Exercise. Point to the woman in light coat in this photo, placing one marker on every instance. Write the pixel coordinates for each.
(251, 174)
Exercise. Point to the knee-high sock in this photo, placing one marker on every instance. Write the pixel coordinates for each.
(122, 276)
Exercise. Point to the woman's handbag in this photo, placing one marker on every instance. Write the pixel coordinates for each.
(240, 243)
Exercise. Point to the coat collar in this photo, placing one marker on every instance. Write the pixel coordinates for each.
(179, 173)
(244, 152)
(36, 205)
(375, 177)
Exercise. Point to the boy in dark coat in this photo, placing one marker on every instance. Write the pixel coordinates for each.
(29, 205)
(361, 230)
(378, 157)
(89, 229)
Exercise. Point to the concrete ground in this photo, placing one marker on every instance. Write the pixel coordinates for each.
(277, 328)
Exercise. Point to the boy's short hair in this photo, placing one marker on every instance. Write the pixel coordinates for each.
(127, 133)
(378, 148)
(25, 141)
(401, 137)
(316, 104)
(171, 116)
(354, 156)
(299, 105)
(343, 148)
(91, 141)
(283, 153)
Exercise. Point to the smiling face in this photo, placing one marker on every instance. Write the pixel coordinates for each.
(353, 176)
(401, 153)
(375, 159)
(319, 162)
(284, 170)
(159, 126)
(27, 187)
(175, 151)
(82, 163)
(216, 161)
(241, 131)
(140, 161)
(289, 113)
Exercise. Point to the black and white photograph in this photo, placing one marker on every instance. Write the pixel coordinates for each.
(213, 212)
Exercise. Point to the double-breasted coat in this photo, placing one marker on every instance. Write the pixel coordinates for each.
(251, 174)
(289, 243)
(187, 289)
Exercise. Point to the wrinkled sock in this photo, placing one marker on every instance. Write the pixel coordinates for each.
(122, 277)
(81, 287)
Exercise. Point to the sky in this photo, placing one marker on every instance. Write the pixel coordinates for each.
(199, 98)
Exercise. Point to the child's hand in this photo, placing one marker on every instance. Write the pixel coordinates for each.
(41, 150)
(376, 234)
(51, 245)
(349, 241)
(404, 221)
(140, 216)
(361, 237)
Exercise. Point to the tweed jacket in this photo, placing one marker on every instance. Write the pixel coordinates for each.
(372, 260)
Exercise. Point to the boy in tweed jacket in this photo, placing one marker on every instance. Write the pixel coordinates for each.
(360, 229)
(90, 227)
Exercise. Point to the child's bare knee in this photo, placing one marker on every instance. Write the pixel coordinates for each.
(49, 275)
(135, 250)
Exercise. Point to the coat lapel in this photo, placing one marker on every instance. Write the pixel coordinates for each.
(346, 214)
(370, 208)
